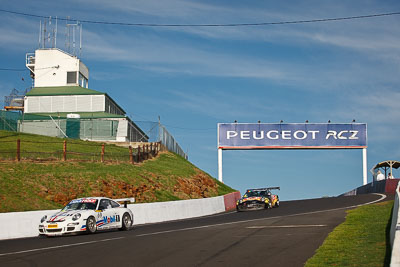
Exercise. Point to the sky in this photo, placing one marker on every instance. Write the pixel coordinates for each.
(195, 77)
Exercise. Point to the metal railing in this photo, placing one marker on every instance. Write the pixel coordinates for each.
(30, 58)
(159, 133)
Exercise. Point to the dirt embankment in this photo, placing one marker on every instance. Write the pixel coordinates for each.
(197, 186)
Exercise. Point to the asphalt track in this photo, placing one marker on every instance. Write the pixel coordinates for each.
(284, 236)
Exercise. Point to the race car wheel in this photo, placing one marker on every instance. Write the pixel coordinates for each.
(91, 225)
(126, 222)
(277, 204)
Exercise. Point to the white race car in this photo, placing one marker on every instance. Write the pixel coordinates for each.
(88, 215)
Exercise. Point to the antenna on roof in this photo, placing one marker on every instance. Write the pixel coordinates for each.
(47, 34)
(70, 38)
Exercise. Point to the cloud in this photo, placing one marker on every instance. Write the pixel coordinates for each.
(365, 45)
(18, 33)
(169, 56)
(219, 105)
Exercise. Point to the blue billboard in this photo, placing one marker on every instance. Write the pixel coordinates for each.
(291, 135)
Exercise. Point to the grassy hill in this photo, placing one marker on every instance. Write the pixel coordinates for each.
(35, 185)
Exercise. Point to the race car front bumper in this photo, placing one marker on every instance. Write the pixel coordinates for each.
(250, 205)
(60, 228)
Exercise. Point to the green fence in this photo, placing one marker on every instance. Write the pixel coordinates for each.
(87, 128)
(9, 120)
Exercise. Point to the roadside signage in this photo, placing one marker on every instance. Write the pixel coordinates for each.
(292, 135)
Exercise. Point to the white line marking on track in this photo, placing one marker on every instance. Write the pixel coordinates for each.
(285, 226)
(261, 219)
(61, 246)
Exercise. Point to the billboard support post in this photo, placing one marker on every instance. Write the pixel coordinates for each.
(364, 152)
(220, 164)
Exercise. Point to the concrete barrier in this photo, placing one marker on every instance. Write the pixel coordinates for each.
(25, 224)
(385, 186)
(395, 231)
(230, 200)
(21, 224)
(176, 210)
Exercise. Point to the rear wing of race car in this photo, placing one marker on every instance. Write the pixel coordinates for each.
(125, 200)
(267, 188)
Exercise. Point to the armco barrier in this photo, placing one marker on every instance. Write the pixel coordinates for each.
(25, 224)
(395, 231)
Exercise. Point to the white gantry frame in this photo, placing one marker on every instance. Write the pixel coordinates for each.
(221, 148)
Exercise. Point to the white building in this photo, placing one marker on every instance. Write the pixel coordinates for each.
(54, 67)
(61, 88)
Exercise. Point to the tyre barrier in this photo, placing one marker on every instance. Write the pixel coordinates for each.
(25, 224)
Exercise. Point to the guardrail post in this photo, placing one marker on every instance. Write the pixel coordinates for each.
(65, 151)
(18, 149)
(102, 152)
(151, 149)
(131, 155)
(138, 154)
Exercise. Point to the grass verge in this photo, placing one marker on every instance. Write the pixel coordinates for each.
(362, 240)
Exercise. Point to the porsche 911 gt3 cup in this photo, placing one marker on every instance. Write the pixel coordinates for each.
(88, 215)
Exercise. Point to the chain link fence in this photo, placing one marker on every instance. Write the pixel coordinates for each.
(159, 133)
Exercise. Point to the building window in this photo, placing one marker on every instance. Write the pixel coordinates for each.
(71, 77)
(83, 82)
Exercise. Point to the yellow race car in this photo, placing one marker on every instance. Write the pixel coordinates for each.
(260, 198)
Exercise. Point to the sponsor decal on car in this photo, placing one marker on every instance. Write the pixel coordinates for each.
(106, 220)
(84, 200)
(100, 223)
(252, 198)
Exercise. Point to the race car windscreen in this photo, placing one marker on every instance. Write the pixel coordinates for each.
(79, 204)
(251, 194)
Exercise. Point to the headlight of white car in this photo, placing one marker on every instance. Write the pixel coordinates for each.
(43, 218)
(76, 216)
